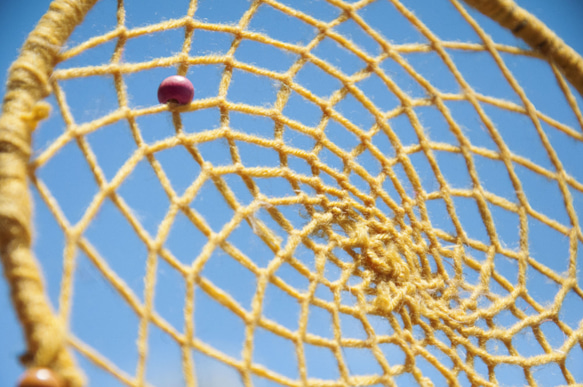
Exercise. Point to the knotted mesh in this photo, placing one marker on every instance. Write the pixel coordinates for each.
(343, 210)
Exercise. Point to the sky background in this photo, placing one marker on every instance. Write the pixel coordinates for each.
(115, 337)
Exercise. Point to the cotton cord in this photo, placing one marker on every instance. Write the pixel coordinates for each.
(391, 254)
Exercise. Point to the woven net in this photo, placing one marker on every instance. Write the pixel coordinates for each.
(365, 203)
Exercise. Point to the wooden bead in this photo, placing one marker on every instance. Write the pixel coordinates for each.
(176, 88)
(39, 377)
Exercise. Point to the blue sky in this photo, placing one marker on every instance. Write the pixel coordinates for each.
(115, 337)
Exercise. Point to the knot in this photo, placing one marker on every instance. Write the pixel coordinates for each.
(379, 253)
(229, 62)
(390, 297)
(39, 112)
(322, 28)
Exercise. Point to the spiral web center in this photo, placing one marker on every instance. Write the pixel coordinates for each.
(338, 206)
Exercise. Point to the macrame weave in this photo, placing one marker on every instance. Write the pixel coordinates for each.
(370, 218)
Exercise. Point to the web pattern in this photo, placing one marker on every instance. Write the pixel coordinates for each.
(357, 214)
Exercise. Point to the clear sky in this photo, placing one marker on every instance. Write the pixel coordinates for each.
(115, 336)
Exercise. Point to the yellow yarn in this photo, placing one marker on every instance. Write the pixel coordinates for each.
(390, 254)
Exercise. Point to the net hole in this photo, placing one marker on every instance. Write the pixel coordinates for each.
(279, 26)
(168, 44)
(252, 89)
(266, 344)
(281, 307)
(265, 56)
(213, 372)
(70, 165)
(95, 302)
(361, 361)
(140, 190)
(321, 362)
(164, 363)
(218, 326)
(230, 276)
(317, 81)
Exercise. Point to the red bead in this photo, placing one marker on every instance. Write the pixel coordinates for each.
(39, 377)
(176, 88)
